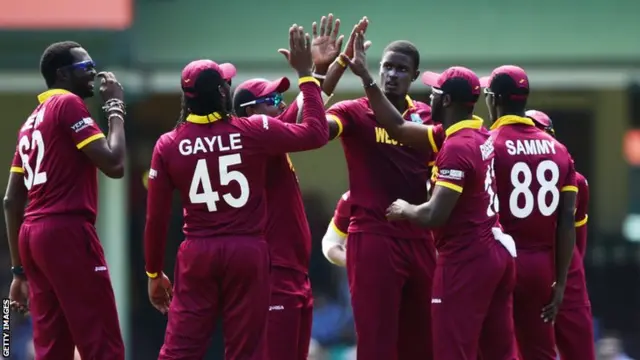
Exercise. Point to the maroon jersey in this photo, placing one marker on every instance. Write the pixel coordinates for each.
(59, 178)
(287, 230)
(532, 169)
(381, 169)
(465, 164)
(582, 213)
(342, 215)
(219, 170)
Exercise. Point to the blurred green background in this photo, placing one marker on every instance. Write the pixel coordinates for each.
(584, 65)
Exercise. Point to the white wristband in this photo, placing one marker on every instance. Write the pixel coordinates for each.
(319, 76)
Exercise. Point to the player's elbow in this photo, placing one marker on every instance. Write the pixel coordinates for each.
(318, 136)
(115, 172)
(15, 199)
(435, 221)
(8, 203)
(12, 204)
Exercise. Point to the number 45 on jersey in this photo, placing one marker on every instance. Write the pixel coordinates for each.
(201, 179)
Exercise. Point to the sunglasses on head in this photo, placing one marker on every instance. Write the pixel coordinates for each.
(84, 65)
(274, 100)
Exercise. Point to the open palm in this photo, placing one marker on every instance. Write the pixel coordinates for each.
(358, 64)
(326, 43)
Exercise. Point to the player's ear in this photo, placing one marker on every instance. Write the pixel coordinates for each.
(250, 111)
(446, 100)
(62, 75)
(222, 91)
(416, 75)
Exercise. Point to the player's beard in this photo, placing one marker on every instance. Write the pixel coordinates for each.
(228, 105)
(436, 113)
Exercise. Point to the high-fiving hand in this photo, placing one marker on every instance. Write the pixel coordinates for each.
(299, 53)
(326, 43)
(358, 63)
(360, 27)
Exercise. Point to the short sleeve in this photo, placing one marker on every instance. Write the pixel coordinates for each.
(16, 163)
(75, 118)
(582, 202)
(452, 166)
(341, 114)
(436, 135)
(569, 183)
(342, 215)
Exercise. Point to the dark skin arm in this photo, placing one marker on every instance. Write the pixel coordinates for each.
(565, 242)
(336, 69)
(15, 200)
(406, 132)
(433, 213)
(108, 154)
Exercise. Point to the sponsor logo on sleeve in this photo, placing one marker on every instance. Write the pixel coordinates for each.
(153, 173)
(451, 174)
(82, 124)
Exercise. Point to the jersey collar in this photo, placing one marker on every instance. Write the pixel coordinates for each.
(410, 106)
(204, 119)
(49, 93)
(510, 120)
(475, 123)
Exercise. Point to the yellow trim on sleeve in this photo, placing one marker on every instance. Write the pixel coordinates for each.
(570, 188)
(432, 140)
(89, 140)
(306, 79)
(152, 275)
(338, 121)
(583, 221)
(335, 228)
(449, 185)
(17, 170)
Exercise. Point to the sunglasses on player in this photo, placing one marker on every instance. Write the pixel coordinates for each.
(83, 65)
(274, 100)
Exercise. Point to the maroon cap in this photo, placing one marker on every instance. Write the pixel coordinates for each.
(460, 83)
(507, 80)
(255, 89)
(197, 70)
(542, 120)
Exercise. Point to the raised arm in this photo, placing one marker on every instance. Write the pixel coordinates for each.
(313, 132)
(406, 132)
(278, 137)
(107, 154)
(337, 68)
